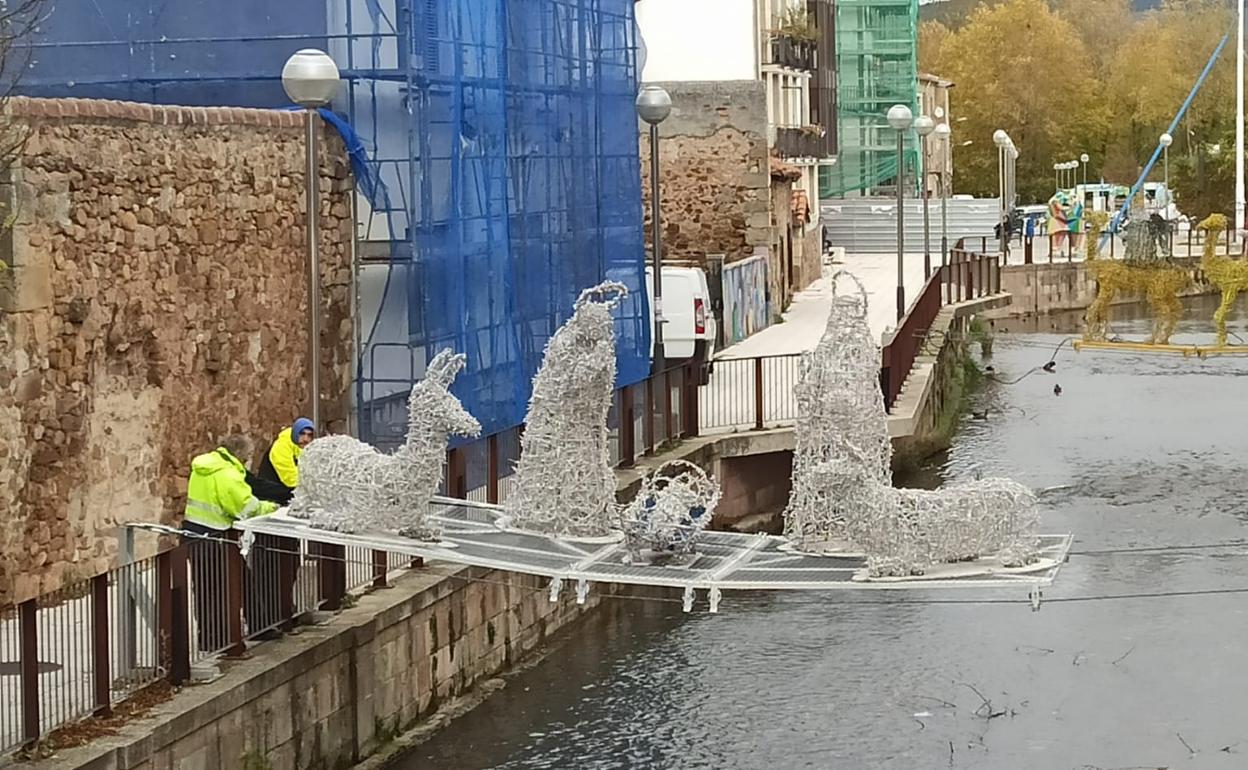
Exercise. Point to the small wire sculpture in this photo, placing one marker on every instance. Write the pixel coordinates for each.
(674, 505)
(348, 486)
(564, 484)
(842, 480)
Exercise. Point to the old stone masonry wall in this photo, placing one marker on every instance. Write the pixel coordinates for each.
(152, 299)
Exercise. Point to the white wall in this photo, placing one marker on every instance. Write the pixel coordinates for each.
(698, 39)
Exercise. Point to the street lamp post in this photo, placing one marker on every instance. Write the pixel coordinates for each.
(1057, 183)
(653, 106)
(900, 118)
(1165, 141)
(923, 126)
(943, 133)
(310, 79)
(1002, 140)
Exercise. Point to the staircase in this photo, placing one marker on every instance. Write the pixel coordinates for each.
(869, 225)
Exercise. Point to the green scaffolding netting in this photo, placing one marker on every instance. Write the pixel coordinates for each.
(877, 67)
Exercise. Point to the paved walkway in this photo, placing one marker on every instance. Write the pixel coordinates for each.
(807, 316)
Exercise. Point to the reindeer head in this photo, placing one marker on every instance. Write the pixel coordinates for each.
(433, 405)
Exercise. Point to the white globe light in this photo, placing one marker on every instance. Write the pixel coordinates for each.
(654, 104)
(1166, 140)
(900, 117)
(1084, 157)
(924, 125)
(942, 131)
(1000, 138)
(310, 78)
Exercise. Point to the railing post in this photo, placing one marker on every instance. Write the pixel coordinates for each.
(758, 393)
(457, 474)
(884, 384)
(491, 469)
(648, 428)
(99, 645)
(28, 612)
(628, 428)
(332, 575)
(234, 595)
(381, 566)
(173, 611)
(667, 406)
(690, 401)
(288, 551)
(970, 280)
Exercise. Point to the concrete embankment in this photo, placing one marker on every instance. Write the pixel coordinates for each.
(1051, 288)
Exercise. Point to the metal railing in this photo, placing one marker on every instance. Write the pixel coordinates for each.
(80, 650)
(787, 51)
(969, 275)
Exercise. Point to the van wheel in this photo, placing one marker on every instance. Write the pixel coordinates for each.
(704, 374)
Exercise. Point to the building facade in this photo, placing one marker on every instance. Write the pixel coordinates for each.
(497, 179)
(715, 57)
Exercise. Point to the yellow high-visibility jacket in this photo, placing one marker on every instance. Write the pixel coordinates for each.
(284, 459)
(218, 494)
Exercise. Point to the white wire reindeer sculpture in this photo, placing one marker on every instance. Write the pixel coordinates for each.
(564, 484)
(346, 485)
(842, 478)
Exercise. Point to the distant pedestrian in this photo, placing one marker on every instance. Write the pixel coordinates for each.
(280, 465)
(217, 496)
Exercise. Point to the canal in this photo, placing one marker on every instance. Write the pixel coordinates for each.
(1136, 452)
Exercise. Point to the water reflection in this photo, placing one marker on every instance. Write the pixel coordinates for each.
(1138, 450)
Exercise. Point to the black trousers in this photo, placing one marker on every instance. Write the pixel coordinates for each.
(269, 583)
(209, 583)
(269, 576)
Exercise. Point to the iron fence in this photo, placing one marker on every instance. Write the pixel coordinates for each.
(78, 651)
(969, 275)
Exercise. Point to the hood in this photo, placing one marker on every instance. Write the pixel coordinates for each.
(300, 425)
(215, 462)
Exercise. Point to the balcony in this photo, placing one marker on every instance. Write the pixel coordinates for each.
(794, 53)
(805, 142)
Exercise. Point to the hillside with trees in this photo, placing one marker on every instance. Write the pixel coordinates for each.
(1066, 77)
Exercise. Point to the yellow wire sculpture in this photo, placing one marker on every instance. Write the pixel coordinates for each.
(1229, 275)
(1141, 271)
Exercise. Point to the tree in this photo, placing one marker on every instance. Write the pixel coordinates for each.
(1012, 66)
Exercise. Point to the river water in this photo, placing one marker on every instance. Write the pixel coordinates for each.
(1145, 451)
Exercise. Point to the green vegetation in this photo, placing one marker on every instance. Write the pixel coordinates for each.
(256, 760)
(1104, 77)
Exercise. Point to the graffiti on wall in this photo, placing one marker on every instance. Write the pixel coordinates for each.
(745, 298)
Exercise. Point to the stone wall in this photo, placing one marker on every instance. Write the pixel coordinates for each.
(336, 694)
(155, 300)
(713, 165)
(1056, 287)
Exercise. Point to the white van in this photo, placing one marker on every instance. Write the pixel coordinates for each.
(689, 329)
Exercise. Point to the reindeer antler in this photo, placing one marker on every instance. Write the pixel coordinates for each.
(609, 293)
(445, 366)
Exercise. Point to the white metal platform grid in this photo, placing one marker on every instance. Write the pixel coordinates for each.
(475, 534)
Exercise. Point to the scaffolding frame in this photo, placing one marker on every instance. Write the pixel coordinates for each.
(503, 133)
(877, 67)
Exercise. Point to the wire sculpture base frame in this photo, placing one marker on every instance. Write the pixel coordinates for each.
(346, 485)
(842, 479)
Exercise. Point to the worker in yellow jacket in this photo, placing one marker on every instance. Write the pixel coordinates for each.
(280, 464)
(217, 496)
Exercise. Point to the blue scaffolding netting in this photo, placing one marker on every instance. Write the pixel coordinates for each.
(501, 135)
